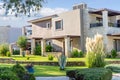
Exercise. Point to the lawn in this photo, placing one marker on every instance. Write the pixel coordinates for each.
(40, 58)
(46, 70)
(45, 59)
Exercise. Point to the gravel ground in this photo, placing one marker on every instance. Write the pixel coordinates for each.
(115, 77)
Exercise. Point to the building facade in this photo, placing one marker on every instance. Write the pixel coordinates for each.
(69, 30)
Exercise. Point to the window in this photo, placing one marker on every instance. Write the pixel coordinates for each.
(58, 25)
(48, 25)
(99, 20)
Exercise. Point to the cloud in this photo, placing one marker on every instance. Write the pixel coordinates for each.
(51, 11)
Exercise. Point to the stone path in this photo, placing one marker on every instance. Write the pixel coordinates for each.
(52, 78)
(115, 77)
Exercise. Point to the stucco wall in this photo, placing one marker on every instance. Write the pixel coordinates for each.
(71, 23)
(39, 29)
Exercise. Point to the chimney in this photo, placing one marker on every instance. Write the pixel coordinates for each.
(80, 6)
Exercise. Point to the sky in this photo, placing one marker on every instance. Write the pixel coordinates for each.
(55, 7)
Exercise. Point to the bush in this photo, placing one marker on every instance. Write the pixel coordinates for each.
(16, 52)
(8, 54)
(7, 74)
(4, 49)
(113, 53)
(21, 73)
(108, 56)
(50, 57)
(90, 74)
(113, 68)
(37, 50)
(95, 52)
(48, 48)
(75, 53)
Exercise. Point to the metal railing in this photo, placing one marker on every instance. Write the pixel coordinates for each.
(96, 25)
(114, 24)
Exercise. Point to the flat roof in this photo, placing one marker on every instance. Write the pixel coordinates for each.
(43, 18)
(116, 35)
(110, 12)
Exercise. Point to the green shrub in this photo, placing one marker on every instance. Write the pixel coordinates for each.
(7, 74)
(95, 52)
(19, 70)
(50, 57)
(37, 50)
(113, 53)
(113, 68)
(16, 52)
(8, 54)
(90, 74)
(48, 48)
(4, 48)
(22, 73)
(108, 56)
(75, 53)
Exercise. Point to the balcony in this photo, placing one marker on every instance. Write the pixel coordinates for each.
(96, 25)
(114, 25)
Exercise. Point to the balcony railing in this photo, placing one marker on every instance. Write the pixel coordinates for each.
(96, 25)
(114, 24)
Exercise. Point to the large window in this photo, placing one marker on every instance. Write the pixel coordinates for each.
(58, 25)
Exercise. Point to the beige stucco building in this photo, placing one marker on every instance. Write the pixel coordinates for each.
(68, 30)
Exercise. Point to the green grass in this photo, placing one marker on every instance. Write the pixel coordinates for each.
(40, 58)
(52, 70)
(46, 70)
(45, 59)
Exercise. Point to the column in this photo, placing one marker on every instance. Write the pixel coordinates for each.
(10, 49)
(67, 46)
(105, 26)
(105, 18)
(43, 44)
(32, 46)
(23, 31)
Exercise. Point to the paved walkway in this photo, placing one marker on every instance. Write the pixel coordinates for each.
(52, 78)
(115, 77)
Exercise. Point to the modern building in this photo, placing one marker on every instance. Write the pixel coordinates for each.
(9, 34)
(69, 30)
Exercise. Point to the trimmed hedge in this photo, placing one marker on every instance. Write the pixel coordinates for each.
(90, 74)
(113, 68)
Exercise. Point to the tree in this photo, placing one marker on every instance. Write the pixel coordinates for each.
(4, 49)
(22, 42)
(22, 6)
